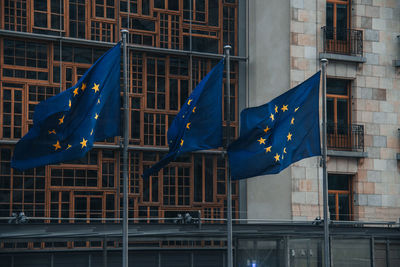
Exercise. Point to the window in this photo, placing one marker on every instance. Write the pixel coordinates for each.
(104, 9)
(12, 110)
(338, 113)
(339, 197)
(338, 18)
(26, 60)
(48, 14)
(15, 15)
(77, 18)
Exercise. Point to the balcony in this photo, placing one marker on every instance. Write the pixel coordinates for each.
(345, 140)
(343, 44)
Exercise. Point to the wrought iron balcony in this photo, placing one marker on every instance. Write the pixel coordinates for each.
(343, 41)
(345, 137)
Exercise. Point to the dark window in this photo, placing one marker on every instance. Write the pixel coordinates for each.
(339, 191)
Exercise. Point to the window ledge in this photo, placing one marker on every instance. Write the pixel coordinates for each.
(397, 63)
(357, 59)
(347, 154)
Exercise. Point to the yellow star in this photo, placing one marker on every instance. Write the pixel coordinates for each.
(69, 146)
(276, 157)
(194, 109)
(272, 117)
(57, 145)
(266, 129)
(52, 132)
(189, 101)
(76, 91)
(61, 120)
(296, 109)
(292, 121)
(276, 109)
(181, 142)
(98, 101)
(284, 150)
(69, 103)
(268, 149)
(261, 140)
(96, 87)
(96, 116)
(284, 108)
(188, 125)
(91, 132)
(83, 143)
(289, 136)
(83, 86)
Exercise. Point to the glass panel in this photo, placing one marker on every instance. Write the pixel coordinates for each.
(344, 207)
(342, 114)
(336, 87)
(332, 206)
(198, 178)
(338, 182)
(341, 22)
(351, 252)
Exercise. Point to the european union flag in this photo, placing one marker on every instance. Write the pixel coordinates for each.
(65, 126)
(279, 133)
(198, 124)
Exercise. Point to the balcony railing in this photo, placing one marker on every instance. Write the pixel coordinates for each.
(345, 137)
(343, 41)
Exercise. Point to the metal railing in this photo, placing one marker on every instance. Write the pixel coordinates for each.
(343, 41)
(348, 137)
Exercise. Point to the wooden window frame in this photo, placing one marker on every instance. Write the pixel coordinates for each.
(49, 13)
(346, 193)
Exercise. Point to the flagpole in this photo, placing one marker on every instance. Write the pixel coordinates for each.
(227, 49)
(125, 156)
(324, 62)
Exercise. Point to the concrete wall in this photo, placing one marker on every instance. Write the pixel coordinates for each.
(268, 197)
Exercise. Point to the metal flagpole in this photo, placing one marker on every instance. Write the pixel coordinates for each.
(125, 156)
(227, 49)
(324, 177)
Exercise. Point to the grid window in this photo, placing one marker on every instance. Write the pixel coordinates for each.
(12, 111)
(229, 26)
(155, 128)
(102, 31)
(48, 14)
(15, 16)
(60, 206)
(73, 177)
(104, 9)
(28, 194)
(5, 181)
(26, 54)
(155, 83)
(136, 73)
(77, 18)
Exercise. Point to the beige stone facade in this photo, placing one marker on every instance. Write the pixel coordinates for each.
(375, 104)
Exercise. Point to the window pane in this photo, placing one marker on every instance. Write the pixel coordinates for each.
(338, 182)
(336, 87)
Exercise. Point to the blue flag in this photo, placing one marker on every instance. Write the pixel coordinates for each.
(65, 126)
(198, 124)
(279, 133)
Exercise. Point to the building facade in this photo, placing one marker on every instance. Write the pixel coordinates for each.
(360, 40)
(46, 46)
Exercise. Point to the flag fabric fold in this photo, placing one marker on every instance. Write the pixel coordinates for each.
(279, 133)
(66, 125)
(198, 125)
